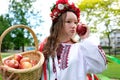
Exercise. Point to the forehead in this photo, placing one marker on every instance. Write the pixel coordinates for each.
(71, 16)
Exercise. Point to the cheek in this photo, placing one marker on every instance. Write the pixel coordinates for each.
(66, 27)
(65, 30)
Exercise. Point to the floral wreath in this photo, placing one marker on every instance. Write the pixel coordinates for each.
(62, 6)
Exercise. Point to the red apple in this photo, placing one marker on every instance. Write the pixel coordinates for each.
(18, 57)
(6, 61)
(12, 63)
(81, 29)
(25, 65)
(33, 62)
(25, 59)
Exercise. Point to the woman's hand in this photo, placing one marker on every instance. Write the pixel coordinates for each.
(6, 76)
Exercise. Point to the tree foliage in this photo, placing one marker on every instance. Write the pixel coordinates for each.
(18, 11)
(21, 12)
(99, 13)
(4, 24)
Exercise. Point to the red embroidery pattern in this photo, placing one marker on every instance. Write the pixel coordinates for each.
(102, 53)
(64, 57)
(59, 51)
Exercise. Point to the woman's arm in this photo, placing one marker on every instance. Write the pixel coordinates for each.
(94, 56)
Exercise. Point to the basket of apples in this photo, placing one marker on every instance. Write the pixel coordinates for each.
(27, 65)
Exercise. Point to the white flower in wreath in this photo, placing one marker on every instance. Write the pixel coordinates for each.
(61, 6)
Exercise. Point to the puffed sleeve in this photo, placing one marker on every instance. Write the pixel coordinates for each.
(94, 56)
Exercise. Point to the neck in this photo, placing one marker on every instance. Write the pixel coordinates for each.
(67, 41)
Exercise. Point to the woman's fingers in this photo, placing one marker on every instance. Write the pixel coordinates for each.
(13, 76)
(8, 76)
(16, 78)
(3, 72)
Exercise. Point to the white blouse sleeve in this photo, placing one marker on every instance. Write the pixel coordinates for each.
(94, 56)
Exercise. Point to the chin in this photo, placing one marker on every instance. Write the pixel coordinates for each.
(73, 34)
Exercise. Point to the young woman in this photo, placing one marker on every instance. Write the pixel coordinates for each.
(66, 59)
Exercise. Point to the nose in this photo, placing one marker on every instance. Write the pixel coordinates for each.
(73, 25)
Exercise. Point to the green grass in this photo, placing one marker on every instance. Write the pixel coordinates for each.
(0, 77)
(6, 54)
(102, 77)
(112, 70)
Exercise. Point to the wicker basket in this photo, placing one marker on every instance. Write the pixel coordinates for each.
(33, 73)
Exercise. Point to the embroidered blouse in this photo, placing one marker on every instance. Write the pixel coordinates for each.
(74, 61)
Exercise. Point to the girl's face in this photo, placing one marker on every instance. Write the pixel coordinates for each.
(70, 24)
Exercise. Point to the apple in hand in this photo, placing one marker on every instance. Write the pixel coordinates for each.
(81, 29)
(25, 65)
(18, 57)
(12, 63)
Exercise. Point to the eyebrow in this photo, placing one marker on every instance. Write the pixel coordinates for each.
(71, 19)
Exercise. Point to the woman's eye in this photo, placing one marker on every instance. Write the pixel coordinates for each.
(71, 22)
(68, 21)
(76, 22)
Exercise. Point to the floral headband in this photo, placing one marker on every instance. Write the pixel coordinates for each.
(62, 6)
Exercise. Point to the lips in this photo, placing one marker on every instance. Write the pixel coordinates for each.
(72, 31)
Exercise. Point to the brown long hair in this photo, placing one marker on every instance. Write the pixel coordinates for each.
(56, 30)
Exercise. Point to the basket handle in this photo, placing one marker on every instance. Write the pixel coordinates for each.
(14, 27)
